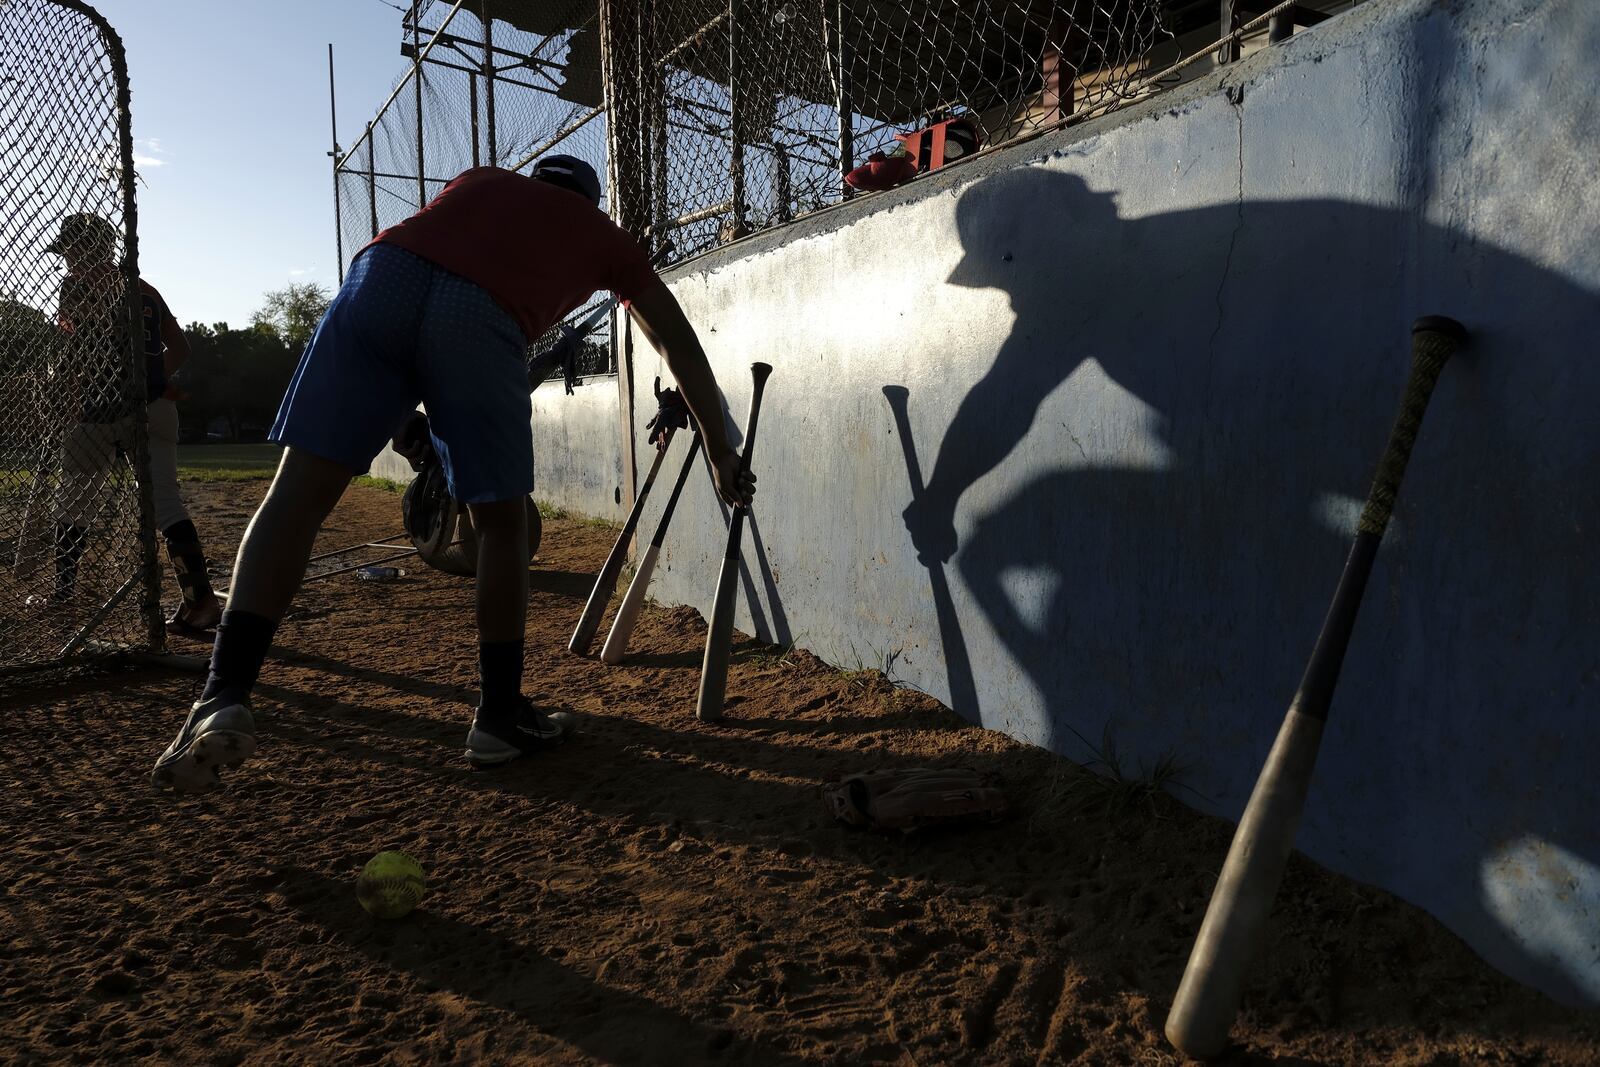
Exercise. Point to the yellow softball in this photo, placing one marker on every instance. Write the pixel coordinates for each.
(390, 885)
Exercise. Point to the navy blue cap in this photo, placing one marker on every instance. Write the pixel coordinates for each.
(569, 172)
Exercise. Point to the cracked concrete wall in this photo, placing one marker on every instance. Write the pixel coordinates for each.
(1148, 367)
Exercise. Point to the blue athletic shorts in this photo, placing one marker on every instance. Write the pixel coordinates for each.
(399, 331)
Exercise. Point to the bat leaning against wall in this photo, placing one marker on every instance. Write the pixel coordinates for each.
(719, 640)
(1208, 997)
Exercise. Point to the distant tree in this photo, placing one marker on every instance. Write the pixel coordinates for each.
(291, 314)
(235, 375)
(26, 336)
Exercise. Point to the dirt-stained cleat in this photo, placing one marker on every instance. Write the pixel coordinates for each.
(219, 733)
(195, 620)
(500, 738)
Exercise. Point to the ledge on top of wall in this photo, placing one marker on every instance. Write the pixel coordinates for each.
(1309, 44)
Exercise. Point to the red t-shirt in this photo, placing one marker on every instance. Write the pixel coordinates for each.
(538, 249)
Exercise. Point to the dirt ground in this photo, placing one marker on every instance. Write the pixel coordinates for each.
(660, 891)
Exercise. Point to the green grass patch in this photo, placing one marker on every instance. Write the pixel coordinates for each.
(227, 463)
(15, 482)
(387, 485)
(556, 511)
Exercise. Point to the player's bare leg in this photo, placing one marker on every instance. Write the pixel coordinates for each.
(502, 569)
(506, 725)
(219, 731)
(272, 557)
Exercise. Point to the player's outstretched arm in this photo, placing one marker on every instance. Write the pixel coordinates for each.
(666, 327)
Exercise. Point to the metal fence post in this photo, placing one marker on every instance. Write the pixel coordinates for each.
(784, 190)
(372, 182)
(488, 79)
(642, 131)
(1280, 27)
(736, 116)
(1230, 22)
(416, 75)
(847, 149)
(338, 214)
(472, 106)
(658, 122)
(150, 573)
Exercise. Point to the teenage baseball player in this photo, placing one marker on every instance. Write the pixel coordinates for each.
(91, 315)
(441, 309)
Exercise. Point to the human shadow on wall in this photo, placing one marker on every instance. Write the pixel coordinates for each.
(1164, 568)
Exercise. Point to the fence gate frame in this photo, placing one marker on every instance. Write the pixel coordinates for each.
(76, 634)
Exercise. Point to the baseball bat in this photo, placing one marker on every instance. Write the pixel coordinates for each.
(616, 645)
(606, 582)
(958, 666)
(719, 639)
(1208, 996)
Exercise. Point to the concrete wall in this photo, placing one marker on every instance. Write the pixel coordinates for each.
(1150, 366)
(577, 455)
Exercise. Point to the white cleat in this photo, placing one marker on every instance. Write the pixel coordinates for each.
(214, 736)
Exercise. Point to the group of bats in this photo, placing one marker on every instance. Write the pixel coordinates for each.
(1208, 996)
(719, 638)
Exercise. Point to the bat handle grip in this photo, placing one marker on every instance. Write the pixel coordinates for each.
(1434, 339)
(758, 378)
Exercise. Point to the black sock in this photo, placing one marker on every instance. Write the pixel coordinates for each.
(188, 562)
(70, 541)
(242, 643)
(500, 673)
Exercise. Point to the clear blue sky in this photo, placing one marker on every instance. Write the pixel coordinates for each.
(230, 121)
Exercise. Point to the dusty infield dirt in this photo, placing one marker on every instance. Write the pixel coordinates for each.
(660, 891)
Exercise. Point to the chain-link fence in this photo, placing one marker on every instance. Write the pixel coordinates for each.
(736, 115)
(719, 118)
(76, 534)
(490, 83)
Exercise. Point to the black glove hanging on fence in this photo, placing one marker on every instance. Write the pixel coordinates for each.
(671, 413)
(569, 343)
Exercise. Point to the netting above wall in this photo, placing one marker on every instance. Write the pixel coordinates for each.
(502, 82)
(719, 118)
(735, 115)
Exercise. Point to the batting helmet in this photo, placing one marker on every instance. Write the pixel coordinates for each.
(89, 236)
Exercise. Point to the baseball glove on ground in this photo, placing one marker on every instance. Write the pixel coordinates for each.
(915, 798)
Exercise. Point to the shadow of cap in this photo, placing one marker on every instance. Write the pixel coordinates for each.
(1018, 219)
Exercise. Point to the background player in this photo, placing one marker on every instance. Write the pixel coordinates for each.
(91, 317)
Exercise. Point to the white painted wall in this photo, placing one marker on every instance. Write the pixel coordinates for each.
(1151, 364)
(577, 456)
